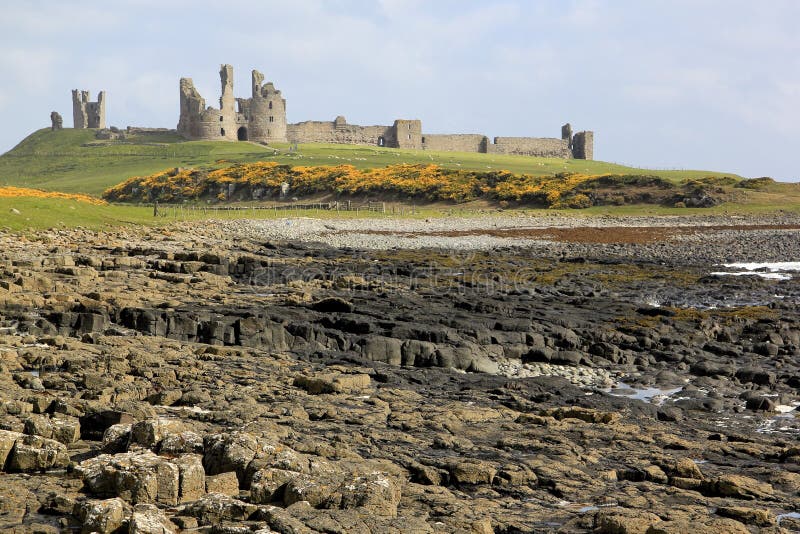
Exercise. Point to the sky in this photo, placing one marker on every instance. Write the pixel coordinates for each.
(683, 84)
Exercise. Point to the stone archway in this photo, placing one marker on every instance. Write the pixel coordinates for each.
(241, 134)
(381, 141)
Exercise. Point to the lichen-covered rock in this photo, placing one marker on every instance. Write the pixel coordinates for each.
(624, 521)
(7, 441)
(191, 477)
(62, 428)
(181, 442)
(214, 508)
(699, 526)
(471, 471)
(234, 452)
(103, 517)
(150, 433)
(738, 487)
(116, 437)
(759, 517)
(35, 453)
(15, 503)
(137, 477)
(268, 484)
(376, 492)
(225, 483)
(149, 519)
(333, 383)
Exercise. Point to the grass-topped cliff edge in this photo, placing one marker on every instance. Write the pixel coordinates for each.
(420, 182)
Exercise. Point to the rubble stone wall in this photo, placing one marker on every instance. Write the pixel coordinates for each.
(455, 142)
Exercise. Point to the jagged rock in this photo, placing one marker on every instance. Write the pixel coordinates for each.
(35, 453)
(234, 452)
(758, 517)
(333, 383)
(376, 493)
(624, 521)
(15, 503)
(181, 442)
(103, 517)
(7, 441)
(62, 428)
(95, 422)
(192, 477)
(148, 519)
(151, 432)
(584, 414)
(681, 468)
(116, 438)
(492, 448)
(165, 398)
(268, 484)
(738, 487)
(138, 477)
(471, 471)
(215, 508)
(225, 483)
(383, 349)
(699, 526)
(333, 305)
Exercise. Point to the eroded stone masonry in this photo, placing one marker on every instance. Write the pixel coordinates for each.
(86, 114)
(262, 118)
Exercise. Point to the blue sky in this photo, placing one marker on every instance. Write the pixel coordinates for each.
(696, 84)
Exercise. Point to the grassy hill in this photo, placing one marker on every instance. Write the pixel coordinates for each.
(74, 161)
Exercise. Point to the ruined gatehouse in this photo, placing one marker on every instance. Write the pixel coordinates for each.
(262, 117)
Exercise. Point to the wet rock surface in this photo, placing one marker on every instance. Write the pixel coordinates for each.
(211, 380)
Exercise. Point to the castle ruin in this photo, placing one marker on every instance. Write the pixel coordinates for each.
(262, 118)
(86, 114)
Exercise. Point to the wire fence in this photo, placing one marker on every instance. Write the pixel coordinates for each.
(370, 208)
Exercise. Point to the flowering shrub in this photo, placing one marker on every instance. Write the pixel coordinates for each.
(16, 192)
(428, 182)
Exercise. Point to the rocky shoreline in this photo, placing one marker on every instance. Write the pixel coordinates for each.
(453, 375)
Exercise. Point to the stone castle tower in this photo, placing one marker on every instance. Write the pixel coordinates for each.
(261, 118)
(86, 114)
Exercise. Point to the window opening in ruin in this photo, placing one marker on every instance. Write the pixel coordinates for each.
(409, 136)
(423, 139)
(409, 126)
(222, 132)
(269, 133)
(381, 141)
(220, 118)
(270, 119)
(270, 105)
(241, 134)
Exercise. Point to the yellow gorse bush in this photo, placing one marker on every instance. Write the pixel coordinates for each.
(429, 182)
(19, 192)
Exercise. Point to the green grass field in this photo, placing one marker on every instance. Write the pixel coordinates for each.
(44, 213)
(74, 161)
